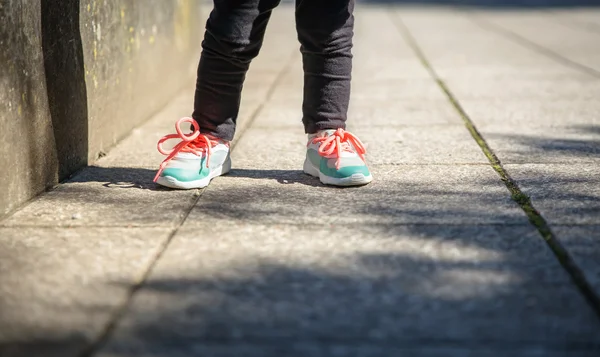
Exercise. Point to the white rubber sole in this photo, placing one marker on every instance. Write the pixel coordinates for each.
(354, 180)
(172, 182)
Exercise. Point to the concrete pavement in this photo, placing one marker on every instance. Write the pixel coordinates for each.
(478, 237)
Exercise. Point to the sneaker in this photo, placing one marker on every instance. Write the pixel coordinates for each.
(337, 158)
(195, 161)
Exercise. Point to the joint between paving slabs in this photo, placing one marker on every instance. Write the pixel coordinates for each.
(524, 202)
(527, 43)
(116, 317)
(267, 97)
(569, 21)
(104, 336)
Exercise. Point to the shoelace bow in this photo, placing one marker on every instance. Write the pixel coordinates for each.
(194, 143)
(339, 142)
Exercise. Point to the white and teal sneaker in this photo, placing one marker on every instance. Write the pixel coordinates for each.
(337, 158)
(195, 161)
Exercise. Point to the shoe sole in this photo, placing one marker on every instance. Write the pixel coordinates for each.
(172, 182)
(354, 180)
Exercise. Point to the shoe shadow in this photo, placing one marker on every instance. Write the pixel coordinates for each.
(284, 177)
(142, 179)
(118, 178)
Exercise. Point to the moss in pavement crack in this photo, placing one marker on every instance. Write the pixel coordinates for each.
(524, 202)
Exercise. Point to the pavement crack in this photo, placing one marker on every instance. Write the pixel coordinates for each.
(113, 322)
(524, 201)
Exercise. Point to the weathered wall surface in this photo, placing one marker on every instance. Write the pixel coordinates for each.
(27, 151)
(76, 76)
(137, 54)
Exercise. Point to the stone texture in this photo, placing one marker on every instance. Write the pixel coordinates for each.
(586, 17)
(223, 287)
(396, 113)
(60, 287)
(380, 113)
(569, 113)
(440, 144)
(107, 197)
(281, 193)
(398, 89)
(539, 89)
(371, 64)
(78, 76)
(124, 88)
(582, 242)
(472, 55)
(522, 144)
(25, 115)
(328, 349)
(564, 194)
(577, 44)
(273, 149)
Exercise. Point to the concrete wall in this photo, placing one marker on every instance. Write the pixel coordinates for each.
(76, 76)
(28, 162)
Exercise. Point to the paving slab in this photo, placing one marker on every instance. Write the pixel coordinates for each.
(398, 89)
(281, 193)
(577, 44)
(533, 89)
(396, 287)
(568, 113)
(328, 349)
(581, 17)
(396, 115)
(372, 65)
(581, 241)
(279, 116)
(526, 143)
(391, 89)
(107, 197)
(440, 144)
(58, 287)
(462, 50)
(568, 197)
(564, 194)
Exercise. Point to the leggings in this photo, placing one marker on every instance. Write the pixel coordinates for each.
(234, 35)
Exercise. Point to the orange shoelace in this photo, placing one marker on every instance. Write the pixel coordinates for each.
(194, 143)
(339, 142)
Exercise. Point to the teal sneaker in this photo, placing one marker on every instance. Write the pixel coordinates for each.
(337, 158)
(195, 161)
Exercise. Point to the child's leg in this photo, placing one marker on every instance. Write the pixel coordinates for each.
(325, 30)
(234, 35)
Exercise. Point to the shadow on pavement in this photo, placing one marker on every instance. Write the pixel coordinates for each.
(46, 347)
(581, 142)
(486, 283)
(497, 296)
(393, 289)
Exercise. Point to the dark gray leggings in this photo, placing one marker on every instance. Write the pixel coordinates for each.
(234, 36)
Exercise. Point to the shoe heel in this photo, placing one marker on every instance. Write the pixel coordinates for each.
(226, 166)
(310, 169)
